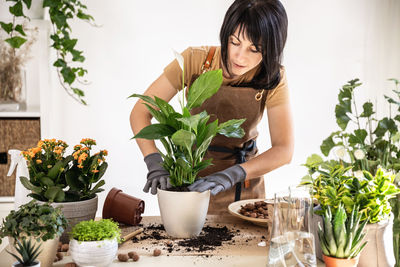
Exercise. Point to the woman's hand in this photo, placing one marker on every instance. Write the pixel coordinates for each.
(219, 181)
(157, 177)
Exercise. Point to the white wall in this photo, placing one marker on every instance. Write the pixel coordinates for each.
(329, 43)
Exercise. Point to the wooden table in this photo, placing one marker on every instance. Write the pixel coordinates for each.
(242, 250)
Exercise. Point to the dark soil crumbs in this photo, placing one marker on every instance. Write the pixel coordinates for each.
(209, 239)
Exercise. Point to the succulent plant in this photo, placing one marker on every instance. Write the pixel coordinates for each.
(28, 252)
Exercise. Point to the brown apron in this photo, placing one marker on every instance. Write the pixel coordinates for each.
(234, 103)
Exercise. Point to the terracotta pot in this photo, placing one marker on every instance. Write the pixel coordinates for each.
(336, 262)
(122, 207)
(76, 212)
(183, 213)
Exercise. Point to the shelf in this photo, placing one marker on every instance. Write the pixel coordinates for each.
(31, 112)
(6, 199)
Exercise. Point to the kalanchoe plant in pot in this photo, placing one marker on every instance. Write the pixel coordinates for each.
(71, 182)
(96, 238)
(40, 223)
(186, 138)
(341, 237)
(27, 254)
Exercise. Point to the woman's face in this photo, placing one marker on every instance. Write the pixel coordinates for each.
(243, 55)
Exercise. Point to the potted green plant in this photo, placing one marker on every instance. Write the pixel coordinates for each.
(60, 12)
(70, 182)
(341, 237)
(362, 145)
(40, 223)
(186, 138)
(94, 243)
(28, 254)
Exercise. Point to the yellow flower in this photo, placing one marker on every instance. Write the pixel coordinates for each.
(82, 157)
(38, 161)
(80, 166)
(105, 152)
(40, 143)
(77, 147)
(95, 171)
(36, 149)
(49, 166)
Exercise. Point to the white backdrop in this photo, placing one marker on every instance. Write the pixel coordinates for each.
(329, 43)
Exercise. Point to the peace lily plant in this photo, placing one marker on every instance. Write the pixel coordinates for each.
(186, 136)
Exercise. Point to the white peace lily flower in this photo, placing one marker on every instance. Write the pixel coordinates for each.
(359, 154)
(359, 174)
(179, 58)
(340, 152)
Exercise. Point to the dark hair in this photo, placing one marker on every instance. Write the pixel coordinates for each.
(265, 23)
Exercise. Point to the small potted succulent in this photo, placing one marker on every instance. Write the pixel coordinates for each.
(71, 182)
(37, 223)
(28, 254)
(341, 237)
(94, 243)
(186, 138)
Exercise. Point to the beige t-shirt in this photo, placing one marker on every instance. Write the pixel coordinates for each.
(194, 58)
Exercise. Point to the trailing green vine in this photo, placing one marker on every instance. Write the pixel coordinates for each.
(61, 11)
(13, 29)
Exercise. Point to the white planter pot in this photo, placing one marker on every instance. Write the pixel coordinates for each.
(93, 253)
(379, 250)
(76, 212)
(183, 213)
(48, 248)
(17, 264)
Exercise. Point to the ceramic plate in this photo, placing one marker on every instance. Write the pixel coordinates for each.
(234, 208)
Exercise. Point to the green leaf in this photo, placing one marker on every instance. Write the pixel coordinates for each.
(50, 3)
(71, 177)
(28, 3)
(7, 27)
(158, 115)
(28, 185)
(231, 128)
(155, 131)
(327, 145)
(19, 29)
(205, 86)
(191, 121)
(16, 9)
(385, 125)
(98, 185)
(55, 170)
(358, 137)
(68, 75)
(102, 169)
(184, 138)
(165, 108)
(60, 63)
(54, 193)
(341, 111)
(16, 41)
(145, 98)
(367, 110)
(314, 160)
(46, 180)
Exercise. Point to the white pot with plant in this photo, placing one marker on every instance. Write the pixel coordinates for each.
(341, 237)
(70, 182)
(94, 243)
(40, 225)
(186, 138)
(27, 254)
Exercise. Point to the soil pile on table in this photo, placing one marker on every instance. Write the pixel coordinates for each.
(209, 239)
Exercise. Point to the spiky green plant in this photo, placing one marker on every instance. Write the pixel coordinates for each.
(342, 236)
(28, 252)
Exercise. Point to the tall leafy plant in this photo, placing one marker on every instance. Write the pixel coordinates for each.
(186, 137)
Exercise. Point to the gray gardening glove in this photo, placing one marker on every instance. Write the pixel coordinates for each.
(219, 181)
(157, 175)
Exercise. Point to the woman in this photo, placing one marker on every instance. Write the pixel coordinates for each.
(252, 37)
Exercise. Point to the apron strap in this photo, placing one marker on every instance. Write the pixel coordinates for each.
(207, 64)
(240, 154)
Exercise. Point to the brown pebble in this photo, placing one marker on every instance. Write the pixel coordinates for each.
(70, 264)
(131, 254)
(55, 259)
(253, 215)
(123, 257)
(169, 243)
(135, 257)
(156, 252)
(64, 247)
(59, 246)
(59, 256)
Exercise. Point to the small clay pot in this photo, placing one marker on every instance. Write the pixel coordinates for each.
(336, 262)
(122, 207)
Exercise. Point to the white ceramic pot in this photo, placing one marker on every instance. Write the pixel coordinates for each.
(183, 213)
(379, 250)
(48, 250)
(17, 264)
(76, 212)
(93, 253)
